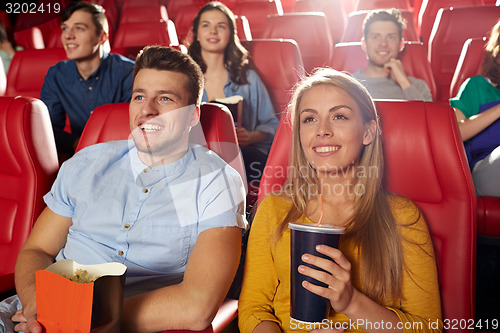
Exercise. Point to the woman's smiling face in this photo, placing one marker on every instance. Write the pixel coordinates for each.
(332, 131)
(213, 31)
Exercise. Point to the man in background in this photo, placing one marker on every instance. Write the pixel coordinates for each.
(91, 77)
(385, 77)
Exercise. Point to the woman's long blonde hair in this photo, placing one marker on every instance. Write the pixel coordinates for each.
(372, 226)
(490, 67)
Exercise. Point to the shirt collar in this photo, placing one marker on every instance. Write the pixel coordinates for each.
(145, 176)
(104, 60)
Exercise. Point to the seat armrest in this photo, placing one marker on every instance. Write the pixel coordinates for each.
(488, 216)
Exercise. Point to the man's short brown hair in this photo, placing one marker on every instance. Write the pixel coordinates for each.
(165, 58)
(98, 14)
(391, 15)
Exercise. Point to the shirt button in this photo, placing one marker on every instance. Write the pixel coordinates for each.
(90, 88)
(146, 170)
(127, 226)
(145, 190)
(120, 253)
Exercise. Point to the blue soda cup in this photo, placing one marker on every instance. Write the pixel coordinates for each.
(306, 306)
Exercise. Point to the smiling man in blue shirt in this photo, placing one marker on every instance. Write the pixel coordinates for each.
(171, 211)
(91, 77)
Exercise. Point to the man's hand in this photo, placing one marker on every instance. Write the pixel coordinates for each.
(30, 325)
(394, 69)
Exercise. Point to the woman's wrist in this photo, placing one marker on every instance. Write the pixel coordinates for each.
(354, 305)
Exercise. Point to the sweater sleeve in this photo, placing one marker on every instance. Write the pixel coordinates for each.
(420, 307)
(468, 97)
(260, 279)
(418, 91)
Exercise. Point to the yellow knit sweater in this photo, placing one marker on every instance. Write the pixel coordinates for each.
(265, 293)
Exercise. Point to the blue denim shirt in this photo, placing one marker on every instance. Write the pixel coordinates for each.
(146, 218)
(258, 112)
(65, 92)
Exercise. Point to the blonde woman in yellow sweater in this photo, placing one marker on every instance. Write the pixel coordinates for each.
(384, 277)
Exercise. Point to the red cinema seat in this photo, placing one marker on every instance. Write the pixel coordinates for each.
(28, 69)
(29, 166)
(143, 14)
(279, 72)
(29, 39)
(146, 33)
(416, 4)
(128, 51)
(381, 4)
(45, 21)
(243, 29)
(111, 122)
(174, 5)
(429, 9)
(488, 216)
(425, 161)
(333, 10)
(350, 57)
(140, 3)
(469, 63)
(448, 37)
(184, 20)
(354, 29)
(256, 13)
(315, 42)
(54, 40)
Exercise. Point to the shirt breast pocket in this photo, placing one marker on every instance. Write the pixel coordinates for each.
(164, 249)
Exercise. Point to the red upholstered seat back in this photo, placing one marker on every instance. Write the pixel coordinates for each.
(145, 33)
(350, 57)
(111, 122)
(29, 166)
(381, 4)
(334, 11)
(448, 36)
(469, 63)
(315, 42)
(28, 69)
(428, 11)
(183, 20)
(488, 216)
(425, 161)
(31, 38)
(143, 14)
(280, 71)
(256, 13)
